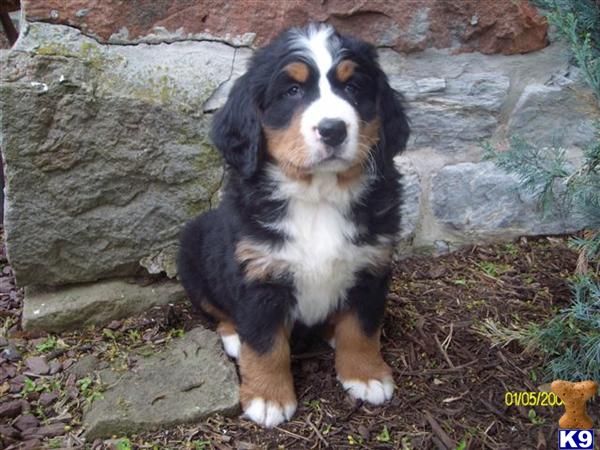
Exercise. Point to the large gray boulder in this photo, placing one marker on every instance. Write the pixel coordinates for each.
(106, 152)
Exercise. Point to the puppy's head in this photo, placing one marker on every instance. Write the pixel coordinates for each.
(311, 101)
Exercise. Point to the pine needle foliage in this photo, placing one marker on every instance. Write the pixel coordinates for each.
(570, 340)
(578, 23)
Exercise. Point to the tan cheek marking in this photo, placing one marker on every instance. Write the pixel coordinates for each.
(357, 356)
(267, 375)
(368, 137)
(258, 264)
(288, 149)
(298, 71)
(345, 70)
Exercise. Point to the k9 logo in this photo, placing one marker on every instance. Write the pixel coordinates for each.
(575, 439)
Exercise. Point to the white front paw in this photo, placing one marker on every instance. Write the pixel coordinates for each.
(267, 413)
(374, 391)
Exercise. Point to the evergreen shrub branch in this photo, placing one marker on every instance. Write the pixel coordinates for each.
(570, 341)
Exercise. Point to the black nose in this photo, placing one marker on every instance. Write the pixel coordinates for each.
(332, 131)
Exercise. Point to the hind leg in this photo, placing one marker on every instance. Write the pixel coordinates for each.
(226, 329)
(327, 333)
(230, 339)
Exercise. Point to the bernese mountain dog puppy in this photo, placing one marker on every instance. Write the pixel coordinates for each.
(309, 217)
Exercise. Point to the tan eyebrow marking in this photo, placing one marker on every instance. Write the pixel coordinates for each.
(298, 71)
(345, 69)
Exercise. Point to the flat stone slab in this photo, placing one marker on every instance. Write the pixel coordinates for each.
(189, 380)
(481, 199)
(75, 306)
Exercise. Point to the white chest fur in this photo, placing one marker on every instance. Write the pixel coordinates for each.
(319, 251)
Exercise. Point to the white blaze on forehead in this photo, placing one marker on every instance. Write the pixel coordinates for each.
(318, 43)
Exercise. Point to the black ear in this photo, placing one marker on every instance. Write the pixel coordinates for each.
(394, 123)
(236, 129)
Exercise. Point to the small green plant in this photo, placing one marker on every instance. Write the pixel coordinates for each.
(109, 334)
(176, 333)
(313, 404)
(201, 445)
(55, 442)
(535, 419)
(30, 386)
(134, 336)
(49, 344)
(462, 445)
(123, 444)
(533, 375)
(384, 436)
(489, 268)
(511, 249)
(90, 389)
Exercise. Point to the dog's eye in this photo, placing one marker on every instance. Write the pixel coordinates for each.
(351, 88)
(294, 91)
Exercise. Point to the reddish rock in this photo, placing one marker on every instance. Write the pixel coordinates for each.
(9, 370)
(38, 365)
(11, 354)
(47, 398)
(55, 367)
(9, 432)
(11, 409)
(410, 25)
(16, 384)
(55, 429)
(498, 27)
(33, 444)
(26, 422)
(114, 325)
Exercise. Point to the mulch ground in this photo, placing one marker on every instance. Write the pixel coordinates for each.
(452, 371)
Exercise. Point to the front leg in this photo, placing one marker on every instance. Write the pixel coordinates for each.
(267, 389)
(358, 362)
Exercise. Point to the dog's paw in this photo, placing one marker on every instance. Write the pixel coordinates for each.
(373, 391)
(231, 345)
(268, 413)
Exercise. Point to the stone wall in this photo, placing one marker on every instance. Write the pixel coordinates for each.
(105, 112)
